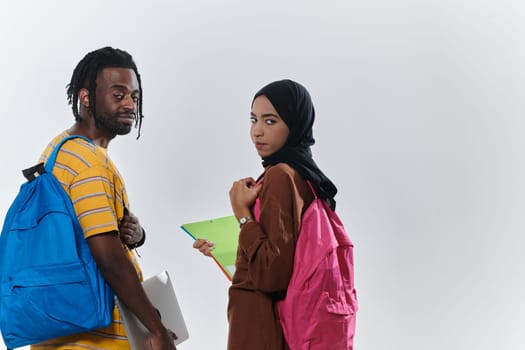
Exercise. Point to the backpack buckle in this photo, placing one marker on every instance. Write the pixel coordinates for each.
(32, 173)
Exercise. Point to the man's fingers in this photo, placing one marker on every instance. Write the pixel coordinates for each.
(127, 219)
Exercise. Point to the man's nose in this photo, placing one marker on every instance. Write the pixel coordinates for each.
(129, 103)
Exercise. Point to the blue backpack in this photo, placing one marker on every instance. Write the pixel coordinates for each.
(49, 283)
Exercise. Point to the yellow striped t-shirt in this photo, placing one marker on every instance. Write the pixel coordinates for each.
(99, 197)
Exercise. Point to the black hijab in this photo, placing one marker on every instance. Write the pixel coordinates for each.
(294, 105)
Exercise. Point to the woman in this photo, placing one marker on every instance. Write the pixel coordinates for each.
(282, 117)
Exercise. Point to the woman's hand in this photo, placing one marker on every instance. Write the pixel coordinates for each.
(130, 230)
(204, 246)
(243, 194)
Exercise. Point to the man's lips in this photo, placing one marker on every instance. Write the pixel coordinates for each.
(127, 118)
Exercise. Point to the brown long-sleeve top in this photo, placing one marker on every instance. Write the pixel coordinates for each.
(265, 261)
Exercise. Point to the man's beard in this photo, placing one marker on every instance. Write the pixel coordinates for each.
(113, 125)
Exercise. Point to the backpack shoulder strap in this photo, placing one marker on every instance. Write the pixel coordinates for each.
(53, 156)
(312, 188)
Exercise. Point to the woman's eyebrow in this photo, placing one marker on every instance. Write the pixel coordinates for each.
(265, 115)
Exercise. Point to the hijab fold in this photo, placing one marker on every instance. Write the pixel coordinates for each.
(294, 105)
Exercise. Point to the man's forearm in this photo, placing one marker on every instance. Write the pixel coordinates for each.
(120, 274)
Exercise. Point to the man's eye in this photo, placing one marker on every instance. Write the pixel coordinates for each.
(253, 120)
(135, 99)
(119, 96)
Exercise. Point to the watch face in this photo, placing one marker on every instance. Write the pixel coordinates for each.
(244, 220)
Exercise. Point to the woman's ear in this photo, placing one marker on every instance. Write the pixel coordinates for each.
(83, 97)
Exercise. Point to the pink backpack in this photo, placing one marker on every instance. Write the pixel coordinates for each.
(318, 312)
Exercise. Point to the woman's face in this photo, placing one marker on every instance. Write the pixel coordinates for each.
(268, 131)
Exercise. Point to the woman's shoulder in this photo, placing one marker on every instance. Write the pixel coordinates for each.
(283, 177)
(283, 181)
(282, 172)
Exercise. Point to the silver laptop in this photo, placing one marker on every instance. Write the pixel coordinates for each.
(161, 294)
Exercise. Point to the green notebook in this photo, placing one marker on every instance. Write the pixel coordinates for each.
(224, 232)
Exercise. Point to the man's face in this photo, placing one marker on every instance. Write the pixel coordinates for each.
(117, 95)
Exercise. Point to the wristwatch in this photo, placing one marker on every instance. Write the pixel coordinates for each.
(244, 220)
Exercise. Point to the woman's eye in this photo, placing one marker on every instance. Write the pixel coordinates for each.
(269, 121)
(253, 120)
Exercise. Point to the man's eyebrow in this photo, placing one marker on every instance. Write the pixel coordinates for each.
(123, 87)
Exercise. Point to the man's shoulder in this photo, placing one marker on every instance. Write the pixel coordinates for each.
(76, 152)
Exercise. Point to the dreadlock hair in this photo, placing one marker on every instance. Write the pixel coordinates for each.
(86, 72)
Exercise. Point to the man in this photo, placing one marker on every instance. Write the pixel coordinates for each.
(105, 93)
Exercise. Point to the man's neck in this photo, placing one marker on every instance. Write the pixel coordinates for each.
(91, 133)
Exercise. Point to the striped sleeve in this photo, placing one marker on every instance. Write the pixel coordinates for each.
(92, 194)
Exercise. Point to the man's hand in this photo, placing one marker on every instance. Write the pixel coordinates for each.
(163, 341)
(130, 230)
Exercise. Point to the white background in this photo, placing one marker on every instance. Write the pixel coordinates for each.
(419, 123)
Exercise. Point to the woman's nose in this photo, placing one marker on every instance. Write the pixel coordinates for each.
(257, 129)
